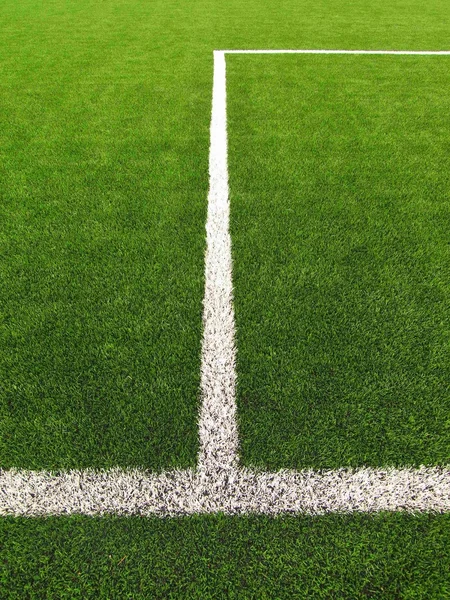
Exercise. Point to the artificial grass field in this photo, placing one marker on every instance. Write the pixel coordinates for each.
(335, 556)
(340, 200)
(103, 211)
(104, 135)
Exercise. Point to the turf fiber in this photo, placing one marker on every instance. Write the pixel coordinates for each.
(340, 199)
(336, 556)
(103, 211)
(104, 134)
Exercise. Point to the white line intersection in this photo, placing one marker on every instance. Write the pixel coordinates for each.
(219, 484)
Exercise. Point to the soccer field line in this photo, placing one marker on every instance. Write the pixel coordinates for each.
(372, 52)
(231, 491)
(219, 484)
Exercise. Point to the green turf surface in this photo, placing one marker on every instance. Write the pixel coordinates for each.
(386, 556)
(340, 199)
(104, 109)
(104, 180)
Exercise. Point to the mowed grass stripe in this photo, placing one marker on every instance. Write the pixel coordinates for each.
(103, 205)
(339, 222)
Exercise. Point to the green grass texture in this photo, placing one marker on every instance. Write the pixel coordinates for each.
(340, 199)
(335, 556)
(104, 180)
(104, 133)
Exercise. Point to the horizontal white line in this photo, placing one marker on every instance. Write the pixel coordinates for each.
(396, 52)
(134, 492)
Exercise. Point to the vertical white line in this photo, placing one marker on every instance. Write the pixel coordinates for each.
(217, 423)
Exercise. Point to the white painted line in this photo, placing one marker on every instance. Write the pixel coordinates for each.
(382, 52)
(217, 425)
(133, 492)
(91, 492)
(218, 484)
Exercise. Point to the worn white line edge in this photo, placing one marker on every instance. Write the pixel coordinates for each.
(218, 484)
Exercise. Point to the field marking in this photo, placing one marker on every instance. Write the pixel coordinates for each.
(219, 484)
(217, 424)
(240, 491)
(387, 52)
